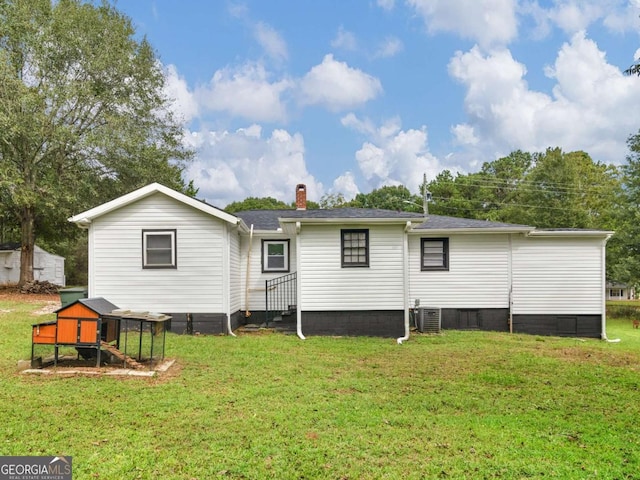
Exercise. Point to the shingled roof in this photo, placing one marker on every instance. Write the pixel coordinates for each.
(270, 219)
(439, 222)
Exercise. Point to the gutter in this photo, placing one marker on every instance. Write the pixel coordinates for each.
(405, 284)
(603, 334)
(83, 223)
(467, 230)
(571, 233)
(298, 287)
(247, 313)
(228, 279)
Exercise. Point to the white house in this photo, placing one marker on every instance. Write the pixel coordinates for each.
(341, 271)
(46, 266)
(619, 291)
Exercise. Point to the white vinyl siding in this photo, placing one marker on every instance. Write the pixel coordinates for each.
(257, 278)
(557, 275)
(197, 285)
(326, 285)
(478, 274)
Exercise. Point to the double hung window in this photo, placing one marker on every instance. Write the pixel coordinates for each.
(159, 249)
(355, 247)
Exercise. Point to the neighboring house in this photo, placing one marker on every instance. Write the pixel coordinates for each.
(341, 271)
(46, 266)
(620, 291)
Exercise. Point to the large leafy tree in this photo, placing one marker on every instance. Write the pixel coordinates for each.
(390, 197)
(623, 252)
(256, 203)
(568, 190)
(264, 203)
(551, 189)
(83, 117)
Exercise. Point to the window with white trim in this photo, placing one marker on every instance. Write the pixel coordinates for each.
(159, 249)
(275, 255)
(434, 254)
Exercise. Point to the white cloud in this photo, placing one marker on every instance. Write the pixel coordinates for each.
(389, 47)
(572, 16)
(464, 134)
(246, 92)
(393, 156)
(346, 185)
(175, 88)
(337, 86)
(232, 166)
(386, 4)
(345, 40)
(594, 106)
(625, 19)
(488, 22)
(271, 41)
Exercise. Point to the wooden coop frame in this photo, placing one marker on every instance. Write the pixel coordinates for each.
(97, 324)
(82, 324)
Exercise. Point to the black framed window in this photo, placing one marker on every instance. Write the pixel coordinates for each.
(434, 254)
(355, 247)
(275, 255)
(159, 249)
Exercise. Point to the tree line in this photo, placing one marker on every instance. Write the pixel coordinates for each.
(550, 189)
(83, 120)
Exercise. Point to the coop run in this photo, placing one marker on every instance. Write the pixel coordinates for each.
(98, 330)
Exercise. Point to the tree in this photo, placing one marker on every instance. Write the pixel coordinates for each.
(332, 200)
(255, 203)
(623, 250)
(82, 114)
(568, 190)
(391, 197)
(634, 69)
(552, 189)
(460, 196)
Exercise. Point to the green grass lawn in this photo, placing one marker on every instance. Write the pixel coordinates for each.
(455, 405)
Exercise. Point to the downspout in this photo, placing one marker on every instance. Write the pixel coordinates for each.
(247, 313)
(510, 274)
(405, 282)
(228, 289)
(298, 287)
(603, 307)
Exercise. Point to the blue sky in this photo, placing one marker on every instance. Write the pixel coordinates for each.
(348, 96)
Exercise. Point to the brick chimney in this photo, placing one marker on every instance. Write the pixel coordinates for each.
(301, 196)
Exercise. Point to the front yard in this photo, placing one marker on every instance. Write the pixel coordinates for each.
(455, 405)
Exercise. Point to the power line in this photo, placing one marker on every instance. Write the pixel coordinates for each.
(531, 186)
(506, 204)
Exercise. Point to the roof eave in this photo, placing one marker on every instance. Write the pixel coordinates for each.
(571, 233)
(343, 220)
(469, 230)
(84, 219)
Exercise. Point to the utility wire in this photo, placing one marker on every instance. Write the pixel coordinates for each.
(506, 204)
(529, 186)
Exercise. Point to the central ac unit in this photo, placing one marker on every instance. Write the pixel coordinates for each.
(428, 319)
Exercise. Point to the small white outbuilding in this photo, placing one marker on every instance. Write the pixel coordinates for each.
(46, 266)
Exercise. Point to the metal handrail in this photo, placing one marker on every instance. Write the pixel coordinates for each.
(280, 296)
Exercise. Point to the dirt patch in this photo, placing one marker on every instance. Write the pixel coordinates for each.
(583, 355)
(12, 294)
(50, 307)
(70, 367)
